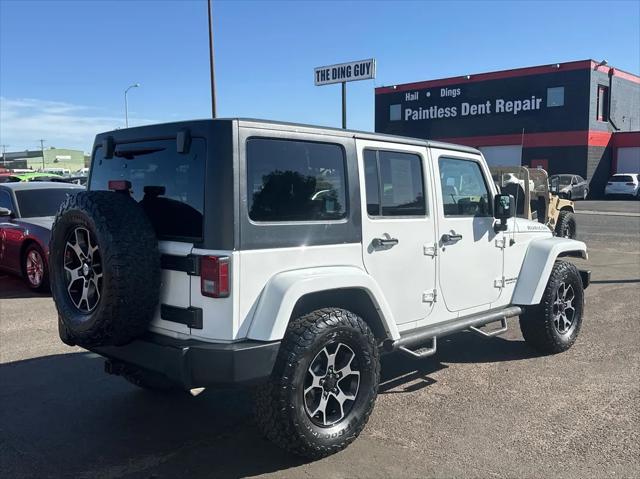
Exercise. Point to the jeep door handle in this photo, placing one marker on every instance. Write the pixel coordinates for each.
(384, 242)
(451, 237)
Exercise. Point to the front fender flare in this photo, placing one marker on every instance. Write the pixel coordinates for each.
(537, 265)
(282, 292)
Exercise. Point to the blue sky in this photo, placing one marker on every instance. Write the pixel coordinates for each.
(65, 64)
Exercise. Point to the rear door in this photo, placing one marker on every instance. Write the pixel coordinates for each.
(398, 232)
(170, 187)
(470, 253)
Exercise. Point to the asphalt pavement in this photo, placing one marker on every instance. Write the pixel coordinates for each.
(478, 408)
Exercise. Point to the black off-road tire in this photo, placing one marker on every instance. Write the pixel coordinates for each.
(130, 265)
(538, 324)
(280, 407)
(567, 226)
(150, 381)
(43, 286)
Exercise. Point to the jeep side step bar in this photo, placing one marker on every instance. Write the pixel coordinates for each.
(431, 333)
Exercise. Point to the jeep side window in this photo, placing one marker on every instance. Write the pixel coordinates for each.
(394, 183)
(464, 191)
(295, 180)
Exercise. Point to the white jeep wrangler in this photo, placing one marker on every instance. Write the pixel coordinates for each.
(289, 257)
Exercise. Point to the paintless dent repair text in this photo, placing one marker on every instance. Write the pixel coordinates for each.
(488, 107)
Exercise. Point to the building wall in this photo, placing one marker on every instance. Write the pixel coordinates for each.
(625, 102)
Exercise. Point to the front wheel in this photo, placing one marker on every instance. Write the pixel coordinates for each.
(553, 325)
(323, 386)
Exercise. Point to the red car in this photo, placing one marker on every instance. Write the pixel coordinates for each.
(27, 210)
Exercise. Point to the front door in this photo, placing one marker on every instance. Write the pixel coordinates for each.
(470, 257)
(398, 233)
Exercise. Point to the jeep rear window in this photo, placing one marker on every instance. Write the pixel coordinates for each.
(169, 185)
(295, 180)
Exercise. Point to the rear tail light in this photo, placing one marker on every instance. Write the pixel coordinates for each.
(609, 184)
(214, 276)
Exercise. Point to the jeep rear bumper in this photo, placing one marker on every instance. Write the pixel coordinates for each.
(193, 364)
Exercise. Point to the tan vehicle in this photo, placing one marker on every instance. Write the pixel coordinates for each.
(534, 200)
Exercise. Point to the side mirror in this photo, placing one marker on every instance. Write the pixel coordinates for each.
(5, 212)
(504, 207)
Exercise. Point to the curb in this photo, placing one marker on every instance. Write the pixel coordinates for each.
(607, 213)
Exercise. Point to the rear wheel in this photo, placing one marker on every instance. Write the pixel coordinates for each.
(323, 386)
(36, 273)
(566, 226)
(553, 325)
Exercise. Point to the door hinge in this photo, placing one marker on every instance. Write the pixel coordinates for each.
(429, 296)
(499, 283)
(431, 250)
(501, 243)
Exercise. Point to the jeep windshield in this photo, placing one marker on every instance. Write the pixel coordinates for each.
(169, 185)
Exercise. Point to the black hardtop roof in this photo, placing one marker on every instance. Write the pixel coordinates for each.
(158, 130)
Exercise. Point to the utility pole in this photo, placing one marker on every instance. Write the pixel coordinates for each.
(42, 150)
(4, 154)
(211, 60)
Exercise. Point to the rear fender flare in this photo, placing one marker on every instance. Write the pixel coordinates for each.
(282, 292)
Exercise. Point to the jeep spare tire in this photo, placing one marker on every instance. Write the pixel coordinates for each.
(104, 268)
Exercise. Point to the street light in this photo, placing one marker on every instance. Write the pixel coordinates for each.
(126, 107)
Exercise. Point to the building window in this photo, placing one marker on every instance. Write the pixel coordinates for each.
(555, 96)
(603, 103)
(395, 112)
(295, 180)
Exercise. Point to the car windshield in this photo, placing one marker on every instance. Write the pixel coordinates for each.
(563, 180)
(621, 179)
(42, 202)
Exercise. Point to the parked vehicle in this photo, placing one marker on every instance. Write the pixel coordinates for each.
(26, 215)
(315, 251)
(623, 184)
(571, 187)
(34, 176)
(535, 199)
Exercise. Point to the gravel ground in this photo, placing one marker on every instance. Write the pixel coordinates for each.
(479, 408)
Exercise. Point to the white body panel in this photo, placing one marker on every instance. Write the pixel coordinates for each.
(403, 271)
(469, 267)
(536, 267)
(175, 290)
(258, 267)
(273, 310)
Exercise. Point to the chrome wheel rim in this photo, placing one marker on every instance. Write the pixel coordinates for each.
(83, 270)
(331, 384)
(564, 312)
(34, 268)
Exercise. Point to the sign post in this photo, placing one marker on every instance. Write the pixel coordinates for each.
(343, 73)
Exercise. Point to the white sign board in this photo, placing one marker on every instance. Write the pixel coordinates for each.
(344, 72)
